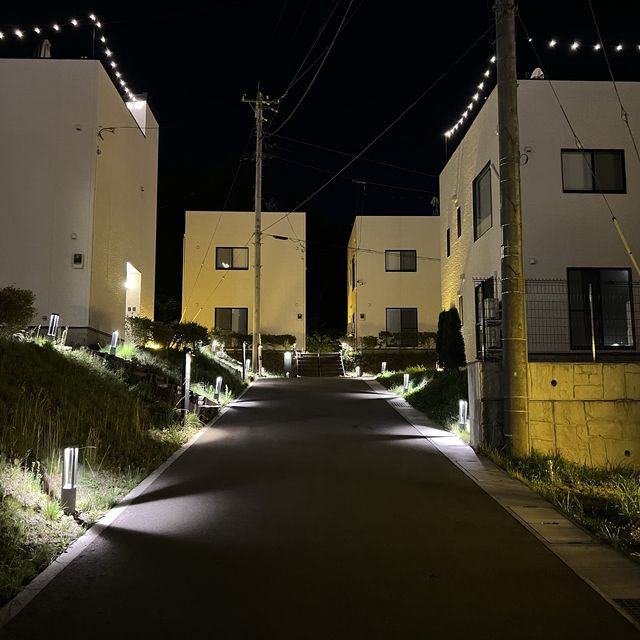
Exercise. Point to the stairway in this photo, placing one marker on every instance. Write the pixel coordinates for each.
(320, 365)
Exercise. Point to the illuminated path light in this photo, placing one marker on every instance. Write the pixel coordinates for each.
(313, 509)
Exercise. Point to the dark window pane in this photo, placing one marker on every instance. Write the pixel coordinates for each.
(609, 171)
(224, 257)
(482, 202)
(617, 318)
(408, 260)
(223, 319)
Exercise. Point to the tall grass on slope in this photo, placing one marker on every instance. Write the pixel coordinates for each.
(48, 398)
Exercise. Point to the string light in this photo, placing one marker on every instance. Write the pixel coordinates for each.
(93, 22)
(552, 44)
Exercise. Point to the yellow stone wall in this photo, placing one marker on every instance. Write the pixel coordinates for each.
(589, 413)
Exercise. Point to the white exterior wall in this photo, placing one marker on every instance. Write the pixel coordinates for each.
(560, 230)
(59, 197)
(377, 289)
(125, 210)
(47, 171)
(283, 270)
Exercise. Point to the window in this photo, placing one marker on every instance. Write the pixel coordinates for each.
(400, 260)
(461, 310)
(488, 335)
(232, 257)
(448, 242)
(605, 295)
(402, 327)
(459, 221)
(590, 170)
(482, 215)
(233, 320)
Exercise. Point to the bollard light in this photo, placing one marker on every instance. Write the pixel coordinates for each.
(358, 371)
(187, 383)
(383, 368)
(405, 384)
(218, 388)
(463, 413)
(245, 362)
(114, 343)
(69, 478)
(287, 364)
(54, 320)
(262, 371)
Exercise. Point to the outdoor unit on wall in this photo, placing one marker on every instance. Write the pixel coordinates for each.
(491, 308)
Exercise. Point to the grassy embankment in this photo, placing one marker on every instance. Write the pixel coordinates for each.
(48, 398)
(606, 501)
(435, 393)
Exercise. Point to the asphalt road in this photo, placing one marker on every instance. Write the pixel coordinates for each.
(312, 510)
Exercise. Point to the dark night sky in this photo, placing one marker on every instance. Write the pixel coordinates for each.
(196, 63)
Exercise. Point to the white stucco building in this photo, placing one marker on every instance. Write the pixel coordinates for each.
(575, 263)
(78, 178)
(218, 277)
(393, 272)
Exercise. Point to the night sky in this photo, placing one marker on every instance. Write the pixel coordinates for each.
(196, 64)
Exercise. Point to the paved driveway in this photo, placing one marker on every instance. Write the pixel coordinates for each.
(312, 510)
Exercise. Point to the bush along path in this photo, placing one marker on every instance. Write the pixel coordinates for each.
(117, 415)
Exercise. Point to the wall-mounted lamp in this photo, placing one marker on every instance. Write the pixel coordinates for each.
(69, 478)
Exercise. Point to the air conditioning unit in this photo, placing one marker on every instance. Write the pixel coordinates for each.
(491, 308)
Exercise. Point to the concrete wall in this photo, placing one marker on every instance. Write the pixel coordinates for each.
(560, 230)
(377, 289)
(283, 270)
(589, 413)
(125, 209)
(59, 197)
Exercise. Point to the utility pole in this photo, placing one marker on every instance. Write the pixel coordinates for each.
(514, 326)
(258, 107)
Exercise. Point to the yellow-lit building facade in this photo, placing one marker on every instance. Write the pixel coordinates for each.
(393, 278)
(218, 276)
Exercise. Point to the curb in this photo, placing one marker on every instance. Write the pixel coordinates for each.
(33, 588)
(605, 570)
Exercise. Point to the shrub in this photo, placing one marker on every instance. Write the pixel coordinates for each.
(322, 343)
(439, 399)
(16, 309)
(369, 342)
(449, 341)
(187, 334)
(139, 329)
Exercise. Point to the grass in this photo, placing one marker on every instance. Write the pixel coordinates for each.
(605, 500)
(49, 397)
(435, 393)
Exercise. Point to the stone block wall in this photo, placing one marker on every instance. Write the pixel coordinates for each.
(589, 413)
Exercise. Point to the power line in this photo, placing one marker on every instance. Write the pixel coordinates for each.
(391, 125)
(623, 112)
(580, 147)
(304, 95)
(369, 182)
(351, 155)
(224, 206)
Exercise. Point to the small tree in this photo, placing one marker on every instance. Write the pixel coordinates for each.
(186, 334)
(139, 329)
(16, 309)
(449, 340)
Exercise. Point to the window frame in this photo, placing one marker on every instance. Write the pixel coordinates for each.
(215, 319)
(486, 170)
(401, 251)
(231, 267)
(592, 153)
(458, 221)
(448, 242)
(401, 333)
(598, 311)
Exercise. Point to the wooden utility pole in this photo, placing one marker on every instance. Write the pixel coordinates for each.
(514, 325)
